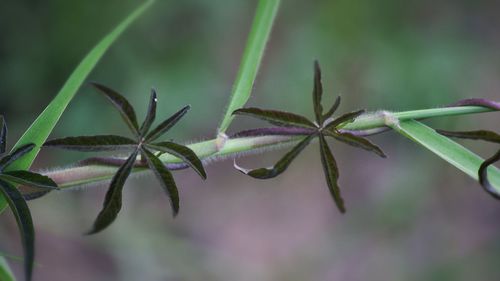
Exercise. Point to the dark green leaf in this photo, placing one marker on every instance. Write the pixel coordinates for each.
(475, 135)
(121, 103)
(93, 143)
(483, 175)
(151, 114)
(275, 117)
(16, 154)
(113, 201)
(3, 135)
(317, 93)
(348, 117)
(355, 141)
(331, 173)
(182, 152)
(274, 131)
(24, 222)
(332, 110)
(166, 179)
(167, 124)
(29, 178)
(280, 167)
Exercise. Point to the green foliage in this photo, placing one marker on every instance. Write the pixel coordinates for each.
(142, 145)
(5, 272)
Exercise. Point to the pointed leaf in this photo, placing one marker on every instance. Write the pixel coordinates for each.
(355, 141)
(182, 152)
(280, 167)
(165, 178)
(167, 124)
(279, 118)
(93, 143)
(331, 173)
(5, 271)
(474, 135)
(317, 93)
(332, 110)
(275, 131)
(348, 117)
(151, 114)
(113, 201)
(477, 102)
(29, 178)
(483, 175)
(3, 135)
(122, 105)
(16, 154)
(24, 222)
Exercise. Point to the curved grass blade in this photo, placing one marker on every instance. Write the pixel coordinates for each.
(5, 271)
(252, 56)
(29, 178)
(447, 149)
(93, 143)
(24, 222)
(332, 110)
(346, 118)
(16, 154)
(181, 152)
(317, 93)
(331, 173)
(483, 175)
(474, 135)
(477, 102)
(275, 117)
(166, 179)
(167, 124)
(122, 105)
(280, 167)
(150, 115)
(275, 131)
(3, 135)
(356, 141)
(113, 201)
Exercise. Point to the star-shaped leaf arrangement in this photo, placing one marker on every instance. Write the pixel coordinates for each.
(484, 135)
(143, 144)
(15, 198)
(324, 126)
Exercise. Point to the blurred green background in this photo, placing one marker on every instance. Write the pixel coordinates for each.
(410, 217)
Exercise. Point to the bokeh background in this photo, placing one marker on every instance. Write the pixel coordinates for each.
(410, 217)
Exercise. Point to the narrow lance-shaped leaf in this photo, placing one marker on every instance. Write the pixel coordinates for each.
(29, 178)
(167, 124)
(280, 167)
(93, 143)
(483, 175)
(16, 154)
(331, 173)
(317, 93)
(5, 271)
(166, 179)
(151, 114)
(121, 103)
(3, 135)
(332, 110)
(182, 152)
(276, 117)
(113, 201)
(25, 223)
(348, 117)
(356, 141)
(474, 135)
(477, 102)
(274, 131)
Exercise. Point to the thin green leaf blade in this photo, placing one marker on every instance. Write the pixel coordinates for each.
(3, 135)
(93, 143)
(113, 201)
(331, 173)
(182, 152)
(280, 166)
(150, 115)
(10, 159)
(447, 149)
(473, 135)
(483, 175)
(356, 141)
(167, 124)
(165, 178)
(345, 118)
(24, 222)
(252, 57)
(332, 109)
(122, 105)
(317, 93)
(29, 178)
(5, 271)
(275, 117)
